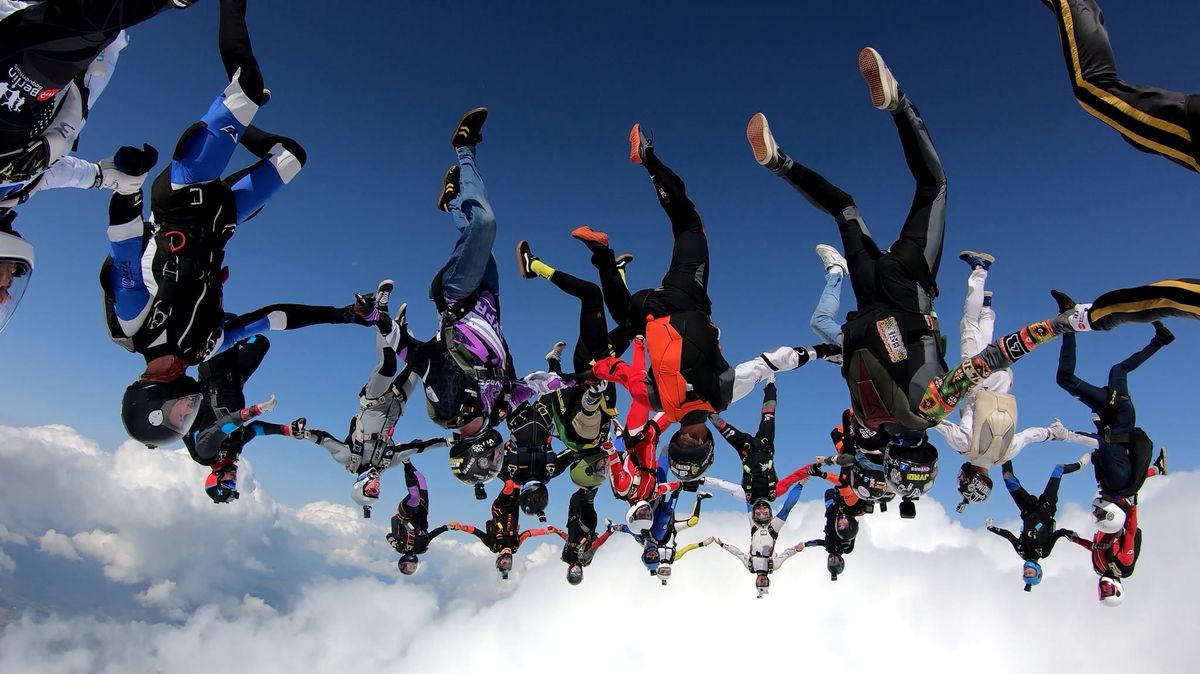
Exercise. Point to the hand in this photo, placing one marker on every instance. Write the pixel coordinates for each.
(1085, 459)
(393, 542)
(125, 172)
(814, 470)
(714, 539)
(988, 523)
(828, 351)
(26, 163)
(299, 429)
(265, 406)
(453, 525)
(798, 547)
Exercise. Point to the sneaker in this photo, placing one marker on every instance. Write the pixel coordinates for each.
(383, 293)
(623, 261)
(976, 259)
(885, 92)
(1161, 462)
(556, 351)
(766, 150)
(449, 188)
(1065, 303)
(525, 259)
(638, 144)
(987, 298)
(590, 237)
(1162, 336)
(1057, 430)
(831, 258)
(469, 129)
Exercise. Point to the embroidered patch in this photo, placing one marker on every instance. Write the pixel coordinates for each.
(893, 340)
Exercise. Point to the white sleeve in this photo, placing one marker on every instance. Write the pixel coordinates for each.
(784, 556)
(733, 550)
(956, 436)
(66, 125)
(339, 451)
(728, 487)
(763, 366)
(101, 68)
(69, 171)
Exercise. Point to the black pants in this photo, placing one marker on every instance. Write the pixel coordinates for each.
(581, 515)
(1151, 119)
(1112, 403)
(297, 316)
(895, 277)
(44, 47)
(685, 285)
(596, 341)
(233, 40)
(1027, 502)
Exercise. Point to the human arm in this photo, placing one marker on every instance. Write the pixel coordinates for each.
(618, 371)
(787, 554)
(470, 529)
(1128, 553)
(793, 496)
(530, 533)
(956, 436)
(207, 441)
(730, 488)
(600, 540)
(407, 449)
(733, 550)
(1006, 535)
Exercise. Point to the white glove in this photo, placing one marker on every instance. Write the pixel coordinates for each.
(988, 523)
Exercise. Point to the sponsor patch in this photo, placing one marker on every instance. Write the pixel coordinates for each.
(893, 339)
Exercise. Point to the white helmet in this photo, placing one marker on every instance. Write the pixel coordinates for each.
(365, 490)
(664, 571)
(1110, 518)
(640, 517)
(16, 267)
(1110, 591)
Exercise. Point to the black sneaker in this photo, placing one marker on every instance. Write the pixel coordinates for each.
(525, 259)
(1161, 462)
(468, 132)
(1065, 303)
(1162, 335)
(449, 188)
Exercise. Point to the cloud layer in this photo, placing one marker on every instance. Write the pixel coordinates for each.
(264, 588)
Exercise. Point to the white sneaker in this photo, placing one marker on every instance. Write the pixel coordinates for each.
(831, 258)
(556, 351)
(383, 293)
(766, 150)
(885, 92)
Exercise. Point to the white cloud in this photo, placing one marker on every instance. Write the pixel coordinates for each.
(54, 543)
(926, 595)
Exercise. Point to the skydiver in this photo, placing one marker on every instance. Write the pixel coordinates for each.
(986, 433)
(583, 416)
(466, 369)
(841, 527)
(1122, 450)
(1148, 118)
(410, 535)
(689, 376)
(654, 526)
(580, 540)
(174, 316)
(368, 448)
(530, 460)
(46, 47)
(502, 533)
(1038, 534)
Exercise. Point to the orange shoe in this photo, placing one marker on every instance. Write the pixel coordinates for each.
(637, 144)
(590, 236)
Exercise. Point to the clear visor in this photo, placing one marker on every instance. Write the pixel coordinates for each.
(14, 279)
(177, 414)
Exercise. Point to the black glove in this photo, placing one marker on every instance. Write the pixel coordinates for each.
(827, 351)
(299, 428)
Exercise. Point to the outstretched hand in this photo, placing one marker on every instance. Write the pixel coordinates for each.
(299, 429)
(988, 523)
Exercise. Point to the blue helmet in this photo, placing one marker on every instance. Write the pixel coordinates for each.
(1032, 573)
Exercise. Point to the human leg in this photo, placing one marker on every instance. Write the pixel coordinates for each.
(1094, 397)
(471, 263)
(824, 322)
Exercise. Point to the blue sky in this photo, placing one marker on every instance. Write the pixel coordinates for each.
(372, 90)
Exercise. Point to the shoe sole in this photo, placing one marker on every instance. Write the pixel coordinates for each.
(635, 143)
(974, 253)
(588, 235)
(758, 133)
(522, 268)
(385, 287)
(462, 122)
(875, 72)
(623, 260)
(838, 259)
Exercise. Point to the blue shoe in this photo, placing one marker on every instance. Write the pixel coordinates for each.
(976, 259)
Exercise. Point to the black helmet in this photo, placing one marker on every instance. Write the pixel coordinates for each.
(871, 484)
(910, 466)
(479, 458)
(534, 498)
(575, 574)
(973, 486)
(845, 526)
(158, 413)
(836, 565)
(408, 564)
(688, 462)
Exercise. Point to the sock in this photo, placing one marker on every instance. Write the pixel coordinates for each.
(541, 268)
